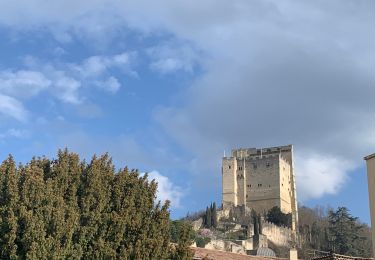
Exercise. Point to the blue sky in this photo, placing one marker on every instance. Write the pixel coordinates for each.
(167, 86)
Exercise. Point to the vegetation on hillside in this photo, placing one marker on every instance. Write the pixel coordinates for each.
(279, 218)
(210, 217)
(319, 229)
(67, 208)
(333, 230)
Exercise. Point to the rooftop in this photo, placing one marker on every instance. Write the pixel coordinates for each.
(369, 156)
(200, 253)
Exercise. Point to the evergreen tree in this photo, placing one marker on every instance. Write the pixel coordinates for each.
(276, 216)
(214, 215)
(255, 221)
(9, 200)
(183, 251)
(208, 218)
(65, 208)
(344, 231)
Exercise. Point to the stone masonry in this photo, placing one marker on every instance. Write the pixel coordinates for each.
(260, 179)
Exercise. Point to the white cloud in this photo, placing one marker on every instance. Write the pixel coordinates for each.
(95, 66)
(13, 108)
(173, 56)
(318, 175)
(166, 189)
(16, 133)
(111, 84)
(22, 83)
(63, 81)
(67, 89)
(278, 71)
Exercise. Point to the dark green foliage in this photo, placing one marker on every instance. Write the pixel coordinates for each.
(345, 233)
(210, 217)
(213, 215)
(202, 241)
(255, 221)
(66, 208)
(276, 216)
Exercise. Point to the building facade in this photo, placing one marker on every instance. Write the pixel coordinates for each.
(260, 179)
(370, 161)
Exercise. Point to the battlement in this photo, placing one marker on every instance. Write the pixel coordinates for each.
(254, 152)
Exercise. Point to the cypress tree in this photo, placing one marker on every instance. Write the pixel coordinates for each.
(214, 215)
(255, 219)
(208, 216)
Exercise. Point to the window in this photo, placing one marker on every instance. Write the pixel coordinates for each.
(240, 168)
(255, 165)
(229, 166)
(268, 164)
(259, 185)
(269, 186)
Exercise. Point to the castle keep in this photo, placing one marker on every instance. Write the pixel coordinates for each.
(260, 179)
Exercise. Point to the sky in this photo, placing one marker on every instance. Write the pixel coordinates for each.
(167, 86)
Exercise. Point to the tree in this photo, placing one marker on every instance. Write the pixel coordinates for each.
(8, 208)
(186, 236)
(214, 215)
(208, 218)
(66, 208)
(276, 216)
(255, 221)
(345, 233)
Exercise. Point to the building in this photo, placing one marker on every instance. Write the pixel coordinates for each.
(370, 161)
(260, 179)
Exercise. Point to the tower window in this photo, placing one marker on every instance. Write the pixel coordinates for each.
(268, 164)
(229, 166)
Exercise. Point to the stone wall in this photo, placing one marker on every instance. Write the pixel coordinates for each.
(280, 236)
(225, 246)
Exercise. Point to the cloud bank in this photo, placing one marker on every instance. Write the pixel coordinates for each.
(274, 72)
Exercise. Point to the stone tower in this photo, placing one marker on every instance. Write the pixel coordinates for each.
(260, 179)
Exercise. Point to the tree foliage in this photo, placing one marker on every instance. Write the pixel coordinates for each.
(345, 233)
(67, 208)
(210, 217)
(276, 216)
(333, 230)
